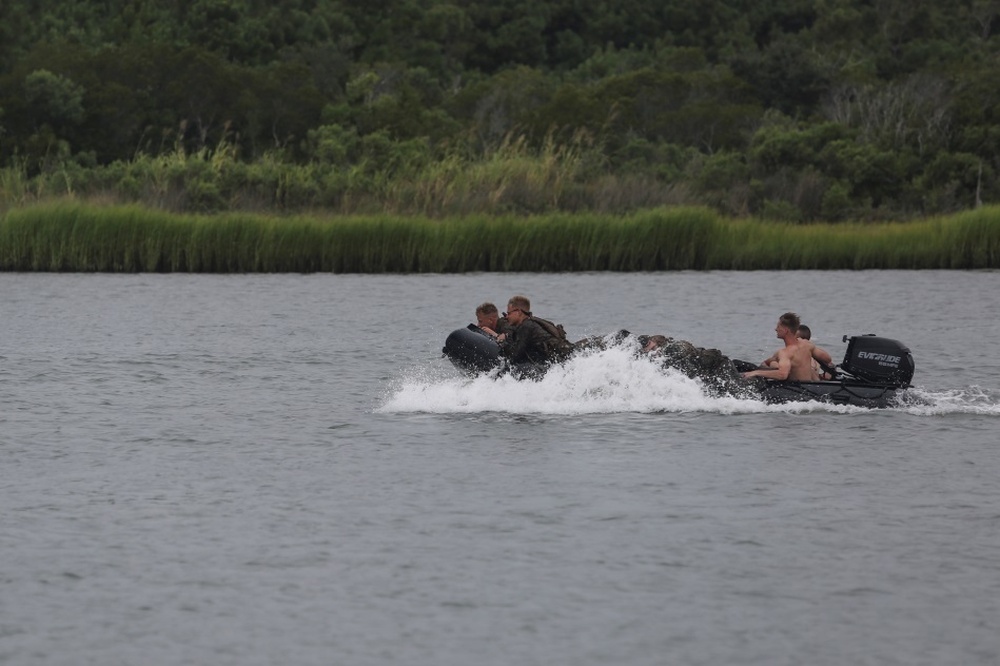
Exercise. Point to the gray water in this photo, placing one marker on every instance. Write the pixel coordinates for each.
(282, 470)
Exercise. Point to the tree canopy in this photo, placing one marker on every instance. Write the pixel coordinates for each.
(803, 109)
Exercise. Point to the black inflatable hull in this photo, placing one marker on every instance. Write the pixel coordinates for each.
(836, 392)
(842, 391)
(472, 351)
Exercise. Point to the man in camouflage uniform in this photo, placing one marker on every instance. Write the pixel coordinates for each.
(712, 367)
(532, 339)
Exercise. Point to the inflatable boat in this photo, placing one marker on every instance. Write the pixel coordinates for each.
(874, 373)
(474, 352)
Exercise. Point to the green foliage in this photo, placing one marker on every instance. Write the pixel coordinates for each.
(836, 108)
(774, 145)
(73, 237)
(786, 75)
(53, 98)
(836, 203)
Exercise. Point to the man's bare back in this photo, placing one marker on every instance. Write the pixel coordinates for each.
(801, 369)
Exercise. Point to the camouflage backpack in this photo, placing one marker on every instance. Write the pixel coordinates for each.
(557, 346)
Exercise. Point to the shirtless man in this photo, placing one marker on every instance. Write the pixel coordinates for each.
(804, 333)
(795, 359)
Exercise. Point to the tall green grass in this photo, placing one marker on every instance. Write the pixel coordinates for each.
(395, 178)
(71, 236)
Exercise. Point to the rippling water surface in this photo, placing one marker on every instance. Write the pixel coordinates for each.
(282, 470)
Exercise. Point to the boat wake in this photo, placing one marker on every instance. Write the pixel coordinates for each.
(615, 380)
(970, 400)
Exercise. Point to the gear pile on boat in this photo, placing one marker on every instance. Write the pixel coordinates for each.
(874, 372)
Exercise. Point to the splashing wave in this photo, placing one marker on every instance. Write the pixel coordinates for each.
(615, 380)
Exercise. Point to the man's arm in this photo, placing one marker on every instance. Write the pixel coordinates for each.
(781, 372)
(822, 355)
(514, 346)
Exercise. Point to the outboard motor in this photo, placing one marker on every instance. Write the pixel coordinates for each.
(878, 360)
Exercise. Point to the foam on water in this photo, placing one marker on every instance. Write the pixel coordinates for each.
(971, 400)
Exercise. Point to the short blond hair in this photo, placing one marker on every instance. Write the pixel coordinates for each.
(486, 309)
(520, 303)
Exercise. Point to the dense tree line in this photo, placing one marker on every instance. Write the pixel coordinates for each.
(795, 109)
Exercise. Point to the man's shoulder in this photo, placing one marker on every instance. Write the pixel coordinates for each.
(807, 347)
(531, 325)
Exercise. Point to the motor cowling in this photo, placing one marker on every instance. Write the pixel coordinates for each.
(878, 360)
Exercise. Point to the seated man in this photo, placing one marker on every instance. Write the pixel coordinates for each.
(490, 322)
(531, 339)
(794, 360)
(805, 333)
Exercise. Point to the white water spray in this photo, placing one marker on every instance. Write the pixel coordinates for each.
(616, 380)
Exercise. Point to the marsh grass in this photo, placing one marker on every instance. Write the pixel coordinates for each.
(73, 236)
(962, 241)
